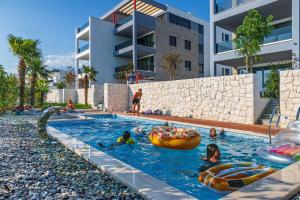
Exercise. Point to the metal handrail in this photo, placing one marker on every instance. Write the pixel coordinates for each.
(275, 110)
(298, 114)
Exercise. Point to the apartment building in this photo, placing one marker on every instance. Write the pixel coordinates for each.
(142, 32)
(280, 48)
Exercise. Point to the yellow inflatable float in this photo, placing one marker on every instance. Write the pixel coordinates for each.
(174, 138)
(231, 177)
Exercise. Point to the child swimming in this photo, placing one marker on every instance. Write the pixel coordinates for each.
(124, 139)
(213, 133)
(212, 157)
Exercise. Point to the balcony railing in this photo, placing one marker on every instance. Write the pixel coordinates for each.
(84, 48)
(84, 26)
(123, 21)
(222, 5)
(123, 45)
(278, 34)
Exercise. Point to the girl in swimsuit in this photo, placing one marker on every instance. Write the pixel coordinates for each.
(136, 105)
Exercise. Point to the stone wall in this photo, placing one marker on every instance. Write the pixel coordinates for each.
(115, 97)
(229, 98)
(55, 96)
(289, 95)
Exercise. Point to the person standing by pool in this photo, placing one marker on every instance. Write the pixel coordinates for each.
(136, 102)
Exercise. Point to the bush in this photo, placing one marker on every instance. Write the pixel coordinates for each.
(77, 106)
(8, 90)
(272, 84)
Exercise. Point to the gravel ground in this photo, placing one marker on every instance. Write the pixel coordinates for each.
(32, 168)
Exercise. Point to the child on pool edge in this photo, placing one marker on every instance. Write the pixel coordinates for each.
(124, 139)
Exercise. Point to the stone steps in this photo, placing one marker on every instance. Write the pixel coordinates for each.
(267, 113)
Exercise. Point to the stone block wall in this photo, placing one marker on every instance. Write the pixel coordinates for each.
(55, 96)
(289, 96)
(115, 97)
(228, 98)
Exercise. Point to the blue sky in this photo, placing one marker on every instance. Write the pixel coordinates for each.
(54, 22)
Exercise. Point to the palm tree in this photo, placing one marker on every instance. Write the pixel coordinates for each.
(42, 87)
(24, 49)
(89, 75)
(36, 70)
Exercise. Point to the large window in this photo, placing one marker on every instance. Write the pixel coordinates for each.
(200, 29)
(146, 64)
(187, 45)
(173, 41)
(147, 41)
(188, 65)
(225, 37)
(201, 68)
(174, 19)
(225, 72)
(201, 49)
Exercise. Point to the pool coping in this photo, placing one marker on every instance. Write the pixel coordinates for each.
(144, 184)
(282, 184)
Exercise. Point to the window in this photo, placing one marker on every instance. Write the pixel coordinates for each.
(147, 41)
(146, 64)
(188, 65)
(173, 41)
(174, 19)
(226, 37)
(200, 29)
(201, 68)
(187, 45)
(225, 72)
(201, 49)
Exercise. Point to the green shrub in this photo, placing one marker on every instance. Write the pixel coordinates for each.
(77, 106)
(272, 84)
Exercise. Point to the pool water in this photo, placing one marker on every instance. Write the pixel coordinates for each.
(179, 169)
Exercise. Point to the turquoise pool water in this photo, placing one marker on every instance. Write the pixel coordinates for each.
(177, 168)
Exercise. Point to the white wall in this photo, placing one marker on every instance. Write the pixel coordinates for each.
(102, 47)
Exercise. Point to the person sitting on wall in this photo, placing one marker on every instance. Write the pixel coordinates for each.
(136, 102)
(70, 107)
(124, 139)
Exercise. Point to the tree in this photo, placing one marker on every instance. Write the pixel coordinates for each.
(70, 78)
(24, 49)
(272, 84)
(250, 35)
(171, 62)
(36, 70)
(126, 71)
(89, 75)
(8, 90)
(42, 88)
(60, 85)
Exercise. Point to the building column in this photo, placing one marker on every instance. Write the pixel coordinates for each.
(76, 60)
(295, 32)
(134, 43)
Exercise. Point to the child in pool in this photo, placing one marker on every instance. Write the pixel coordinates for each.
(222, 132)
(213, 133)
(212, 157)
(124, 139)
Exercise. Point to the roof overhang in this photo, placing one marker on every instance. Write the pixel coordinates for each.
(126, 8)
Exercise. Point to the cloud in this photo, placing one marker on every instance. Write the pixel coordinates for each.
(59, 61)
(11, 68)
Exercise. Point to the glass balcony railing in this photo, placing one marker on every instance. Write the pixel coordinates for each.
(84, 48)
(84, 26)
(222, 5)
(279, 34)
(123, 45)
(123, 21)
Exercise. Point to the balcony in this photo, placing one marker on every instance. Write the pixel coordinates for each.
(123, 21)
(278, 34)
(222, 5)
(83, 48)
(123, 45)
(84, 26)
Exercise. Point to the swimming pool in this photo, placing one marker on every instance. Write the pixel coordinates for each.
(177, 168)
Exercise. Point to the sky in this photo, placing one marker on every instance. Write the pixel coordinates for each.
(53, 22)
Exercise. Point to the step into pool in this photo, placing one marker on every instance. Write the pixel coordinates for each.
(179, 169)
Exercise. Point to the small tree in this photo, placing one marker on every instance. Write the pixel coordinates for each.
(127, 70)
(171, 62)
(42, 88)
(70, 78)
(272, 84)
(60, 85)
(89, 75)
(250, 35)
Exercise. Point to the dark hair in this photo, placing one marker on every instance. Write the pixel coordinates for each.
(211, 149)
(126, 134)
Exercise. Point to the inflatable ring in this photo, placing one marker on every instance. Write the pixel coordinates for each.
(231, 177)
(174, 138)
(294, 125)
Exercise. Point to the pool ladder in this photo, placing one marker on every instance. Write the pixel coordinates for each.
(275, 111)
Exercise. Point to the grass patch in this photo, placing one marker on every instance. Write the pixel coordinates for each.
(77, 106)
